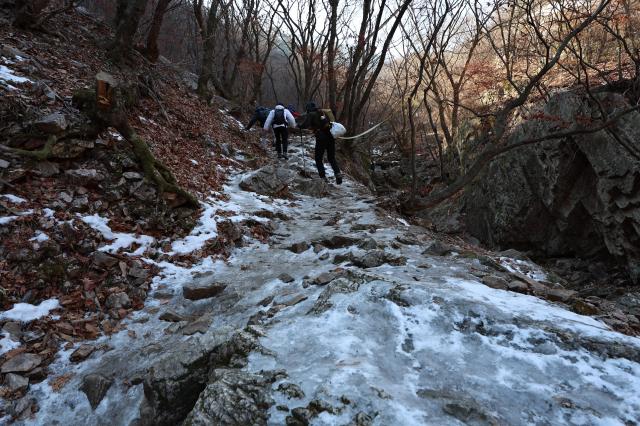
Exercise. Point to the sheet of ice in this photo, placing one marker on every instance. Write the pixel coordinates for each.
(13, 198)
(404, 364)
(40, 237)
(26, 312)
(120, 240)
(531, 307)
(7, 343)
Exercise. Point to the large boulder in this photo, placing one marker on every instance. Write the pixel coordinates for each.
(311, 187)
(174, 382)
(234, 397)
(574, 196)
(268, 180)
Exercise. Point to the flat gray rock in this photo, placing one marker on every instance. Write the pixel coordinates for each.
(21, 363)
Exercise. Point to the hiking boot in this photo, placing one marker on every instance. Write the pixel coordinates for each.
(285, 157)
(324, 178)
(339, 179)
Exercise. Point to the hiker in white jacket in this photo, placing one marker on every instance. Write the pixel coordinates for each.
(279, 119)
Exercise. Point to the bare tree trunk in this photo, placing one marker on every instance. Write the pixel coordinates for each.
(412, 130)
(127, 28)
(331, 56)
(121, 10)
(209, 51)
(151, 49)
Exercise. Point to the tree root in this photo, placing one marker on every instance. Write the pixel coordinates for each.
(116, 117)
(157, 172)
(40, 155)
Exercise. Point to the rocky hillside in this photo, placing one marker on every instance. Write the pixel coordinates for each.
(578, 196)
(77, 210)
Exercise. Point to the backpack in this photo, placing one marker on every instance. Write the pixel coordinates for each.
(278, 117)
(317, 120)
(262, 114)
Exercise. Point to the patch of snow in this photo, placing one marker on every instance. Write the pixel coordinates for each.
(116, 135)
(402, 221)
(48, 213)
(194, 162)
(7, 219)
(26, 312)
(13, 198)
(205, 230)
(121, 240)
(40, 237)
(7, 343)
(7, 75)
(524, 267)
(147, 120)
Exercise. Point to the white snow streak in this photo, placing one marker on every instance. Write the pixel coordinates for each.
(120, 240)
(13, 198)
(26, 312)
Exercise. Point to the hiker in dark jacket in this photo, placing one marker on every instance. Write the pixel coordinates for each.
(279, 120)
(259, 116)
(293, 111)
(317, 121)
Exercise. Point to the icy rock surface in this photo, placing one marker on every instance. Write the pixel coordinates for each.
(416, 342)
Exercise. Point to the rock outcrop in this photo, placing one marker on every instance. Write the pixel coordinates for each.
(575, 196)
(233, 397)
(174, 383)
(268, 180)
(274, 180)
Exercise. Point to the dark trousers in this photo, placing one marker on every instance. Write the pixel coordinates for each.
(282, 139)
(326, 142)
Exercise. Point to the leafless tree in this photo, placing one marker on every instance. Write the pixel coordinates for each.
(523, 79)
(304, 44)
(128, 16)
(151, 48)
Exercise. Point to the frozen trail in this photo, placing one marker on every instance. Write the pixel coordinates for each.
(382, 335)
